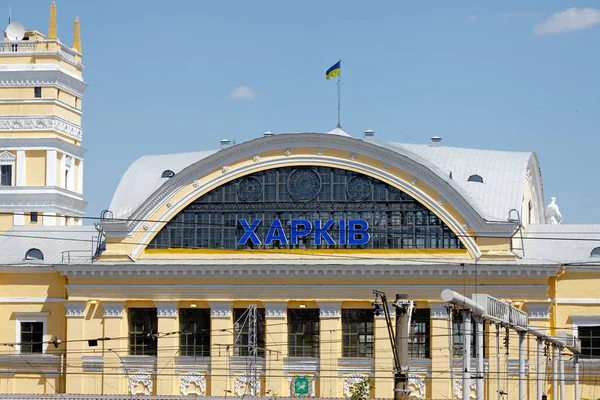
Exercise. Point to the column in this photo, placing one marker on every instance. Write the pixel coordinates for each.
(51, 168)
(442, 343)
(20, 181)
(522, 381)
(539, 316)
(168, 348)
(50, 219)
(384, 360)
(221, 325)
(115, 373)
(330, 329)
(79, 189)
(275, 340)
(19, 218)
(75, 313)
(479, 321)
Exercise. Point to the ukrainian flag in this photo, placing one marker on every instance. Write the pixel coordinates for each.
(334, 70)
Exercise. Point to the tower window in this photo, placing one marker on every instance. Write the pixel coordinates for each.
(67, 179)
(33, 217)
(37, 92)
(34, 254)
(475, 178)
(6, 175)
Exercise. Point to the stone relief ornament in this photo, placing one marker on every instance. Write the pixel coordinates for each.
(256, 158)
(193, 383)
(247, 385)
(458, 389)
(196, 184)
(170, 203)
(225, 169)
(141, 383)
(352, 380)
(416, 385)
(553, 215)
(146, 226)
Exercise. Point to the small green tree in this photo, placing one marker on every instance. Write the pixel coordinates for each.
(361, 390)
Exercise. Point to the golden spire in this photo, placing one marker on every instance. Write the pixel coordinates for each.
(76, 35)
(52, 25)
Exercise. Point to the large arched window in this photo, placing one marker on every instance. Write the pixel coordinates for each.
(328, 198)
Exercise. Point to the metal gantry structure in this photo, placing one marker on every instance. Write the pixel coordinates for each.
(483, 307)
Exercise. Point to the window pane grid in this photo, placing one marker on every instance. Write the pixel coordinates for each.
(241, 330)
(419, 338)
(143, 323)
(303, 332)
(194, 327)
(32, 336)
(590, 341)
(357, 333)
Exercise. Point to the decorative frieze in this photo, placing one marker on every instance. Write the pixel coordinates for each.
(113, 309)
(166, 309)
(538, 310)
(330, 310)
(416, 385)
(141, 383)
(220, 309)
(246, 385)
(74, 309)
(353, 380)
(275, 310)
(40, 124)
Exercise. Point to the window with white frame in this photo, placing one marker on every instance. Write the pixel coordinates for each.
(31, 332)
(68, 173)
(587, 329)
(7, 168)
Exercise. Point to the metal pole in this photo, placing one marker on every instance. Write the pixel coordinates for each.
(507, 354)
(561, 363)
(479, 365)
(466, 380)
(339, 125)
(451, 348)
(576, 366)
(554, 373)
(403, 310)
(538, 374)
(499, 390)
(521, 365)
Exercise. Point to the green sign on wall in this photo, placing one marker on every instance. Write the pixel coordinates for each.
(301, 386)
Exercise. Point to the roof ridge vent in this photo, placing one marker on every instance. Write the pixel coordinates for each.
(225, 143)
(436, 141)
(369, 134)
(268, 134)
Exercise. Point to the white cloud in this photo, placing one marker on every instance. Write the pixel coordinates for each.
(573, 19)
(244, 93)
(473, 18)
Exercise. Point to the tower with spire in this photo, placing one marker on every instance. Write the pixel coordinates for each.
(41, 157)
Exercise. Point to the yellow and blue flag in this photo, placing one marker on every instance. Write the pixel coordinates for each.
(334, 70)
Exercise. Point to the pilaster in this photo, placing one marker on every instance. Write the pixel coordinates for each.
(50, 219)
(330, 348)
(384, 361)
(441, 355)
(168, 349)
(74, 313)
(115, 326)
(221, 323)
(51, 157)
(20, 181)
(276, 340)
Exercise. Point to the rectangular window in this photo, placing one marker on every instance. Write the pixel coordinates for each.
(459, 337)
(303, 332)
(590, 341)
(194, 328)
(143, 324)
(37, 91)
(241, 332)
(6, 175)
(33, 217)
(357, 333)
(32, 337)
(419, 340)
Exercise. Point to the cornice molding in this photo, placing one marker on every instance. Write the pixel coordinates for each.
(114, 309)
(330, 310)
(539, 311)
(74, 309)
(220, 309)
(42, 75)
(406, 161)
(275, 309)
(167, 309)
(41, 123)
(18, 143)
(42, 198)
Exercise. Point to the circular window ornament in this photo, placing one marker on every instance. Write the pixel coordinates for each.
(359, 188)
(304, 184)
(249, 189)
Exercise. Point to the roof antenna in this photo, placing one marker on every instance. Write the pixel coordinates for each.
(9, 13)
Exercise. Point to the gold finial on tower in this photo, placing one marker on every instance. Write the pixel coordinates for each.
(52, 25)
(76, 35)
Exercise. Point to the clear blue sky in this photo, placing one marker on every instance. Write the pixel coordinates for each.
(478, 74)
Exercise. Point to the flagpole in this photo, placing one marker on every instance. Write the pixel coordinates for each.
(339, 125)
